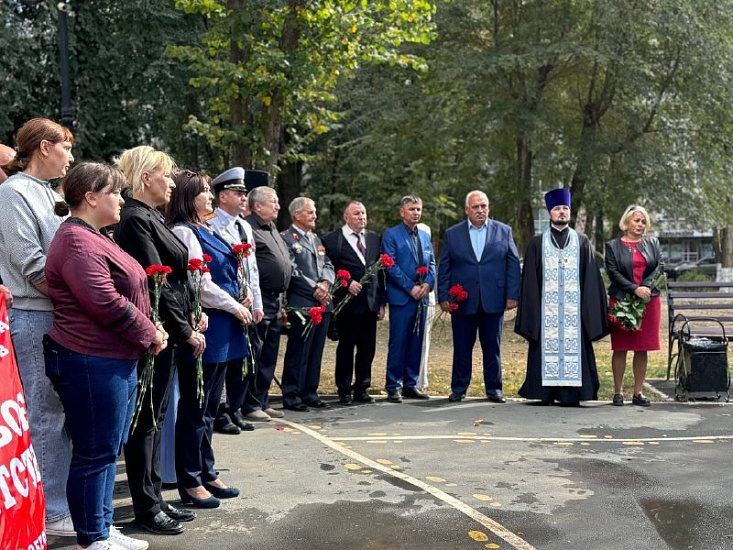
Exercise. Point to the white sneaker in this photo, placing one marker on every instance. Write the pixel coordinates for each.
(123, 541)
(272, 413)
(61, 528)
(258, 416)
(99, 545)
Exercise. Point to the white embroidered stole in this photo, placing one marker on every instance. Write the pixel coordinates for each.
(561, 323)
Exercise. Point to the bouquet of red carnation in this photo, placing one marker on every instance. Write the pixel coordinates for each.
(343, 279)
(385, 261)
(242, 252)
(456, 295)
(159, 274)
(626, 314)
(309, 316)
(197, 267)
(422, 272)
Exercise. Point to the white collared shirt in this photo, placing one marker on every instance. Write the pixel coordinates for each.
(349, 235)
(226, 226)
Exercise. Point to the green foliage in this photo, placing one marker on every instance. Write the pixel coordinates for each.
(268, 71)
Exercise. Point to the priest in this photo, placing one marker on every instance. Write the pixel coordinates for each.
(562, 310)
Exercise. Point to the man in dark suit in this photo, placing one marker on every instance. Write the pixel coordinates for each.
(309, 287)
(480, 255)
(353, 248)
(411, 249)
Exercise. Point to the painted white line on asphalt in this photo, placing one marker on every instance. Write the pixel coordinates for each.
(597, 439)
(499, 530)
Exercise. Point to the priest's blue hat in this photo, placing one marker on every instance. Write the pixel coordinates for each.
(557, 197)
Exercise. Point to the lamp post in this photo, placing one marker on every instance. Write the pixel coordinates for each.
(67, 108)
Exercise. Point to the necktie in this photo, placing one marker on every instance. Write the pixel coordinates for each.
(360, 245)
(418, 247)
(242, 232)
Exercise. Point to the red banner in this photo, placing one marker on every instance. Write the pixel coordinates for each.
(22, 503)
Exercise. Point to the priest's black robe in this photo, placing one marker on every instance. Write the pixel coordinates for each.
(594, 321)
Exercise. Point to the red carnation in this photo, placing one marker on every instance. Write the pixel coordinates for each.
(386, 260)
(422, 271)
(158, 270)
(344, 283)
(343, 274)
(207, 258)
(242, 250)
(195, 264)
(453, 307)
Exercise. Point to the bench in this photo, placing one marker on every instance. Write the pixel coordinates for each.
(698, 310)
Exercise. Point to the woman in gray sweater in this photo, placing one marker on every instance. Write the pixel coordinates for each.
(27, 226)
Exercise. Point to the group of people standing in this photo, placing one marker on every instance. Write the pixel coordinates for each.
(134, 268)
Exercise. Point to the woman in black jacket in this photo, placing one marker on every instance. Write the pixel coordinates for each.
(632, 262)
(142, 233)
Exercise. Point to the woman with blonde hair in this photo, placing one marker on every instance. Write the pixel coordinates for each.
(143, 234)
(632, 261)
(28, 224)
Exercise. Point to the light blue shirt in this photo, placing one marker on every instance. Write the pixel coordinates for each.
(478, 239)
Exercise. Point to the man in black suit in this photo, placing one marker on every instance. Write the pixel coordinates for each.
(309, 287)
(353, 248)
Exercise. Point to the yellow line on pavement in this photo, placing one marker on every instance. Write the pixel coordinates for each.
(499, 530)
(599, 439)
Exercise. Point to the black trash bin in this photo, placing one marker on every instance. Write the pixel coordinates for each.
(703, 367)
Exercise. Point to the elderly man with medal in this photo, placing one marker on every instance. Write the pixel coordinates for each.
(562, 310)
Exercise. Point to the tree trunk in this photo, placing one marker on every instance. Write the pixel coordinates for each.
(524, 180)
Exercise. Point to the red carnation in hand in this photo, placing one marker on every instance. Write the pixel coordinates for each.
(207, 258)
(422, 271)
(453, 307)
(158, 270)
(316, 314)
(343, 274)
(344, 283)
(386, 260)
(195, 264)
(242, 250)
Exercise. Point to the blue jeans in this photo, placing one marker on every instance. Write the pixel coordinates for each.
(98, 395)
(45, 412)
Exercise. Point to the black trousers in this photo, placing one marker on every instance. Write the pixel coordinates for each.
(357, 331)
(195, 422)
(237, 384)
(266, 345)
(142, 451)
(302, 363)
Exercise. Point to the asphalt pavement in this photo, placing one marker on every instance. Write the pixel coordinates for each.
(435, 475)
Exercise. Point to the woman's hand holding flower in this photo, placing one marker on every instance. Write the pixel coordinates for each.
(643, 292)
(243, 315)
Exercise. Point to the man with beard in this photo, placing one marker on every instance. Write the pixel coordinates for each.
(562, 310)
(480, 255)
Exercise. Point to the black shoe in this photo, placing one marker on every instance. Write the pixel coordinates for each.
(456, 397)
(414, 393)
(345, 400)
(219, 492)
(210, 502)
(363, 397)
(394, 397)
(641, 400)
(161, 524)
(178, 515)
(224, 425)
(496, 397)
(241, 423)
(298, 407)
(318, 404)
(618, 399)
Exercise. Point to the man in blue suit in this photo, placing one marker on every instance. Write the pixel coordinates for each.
(480, 255)
(411, 249)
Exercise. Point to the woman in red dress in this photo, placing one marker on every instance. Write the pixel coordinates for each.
(632, 261)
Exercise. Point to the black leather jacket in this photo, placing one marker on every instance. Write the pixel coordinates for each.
(621, 271)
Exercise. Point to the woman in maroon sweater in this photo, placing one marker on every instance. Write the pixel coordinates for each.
(101, 328)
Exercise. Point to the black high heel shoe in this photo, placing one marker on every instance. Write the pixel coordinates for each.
(218, 492)
(210, 502)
